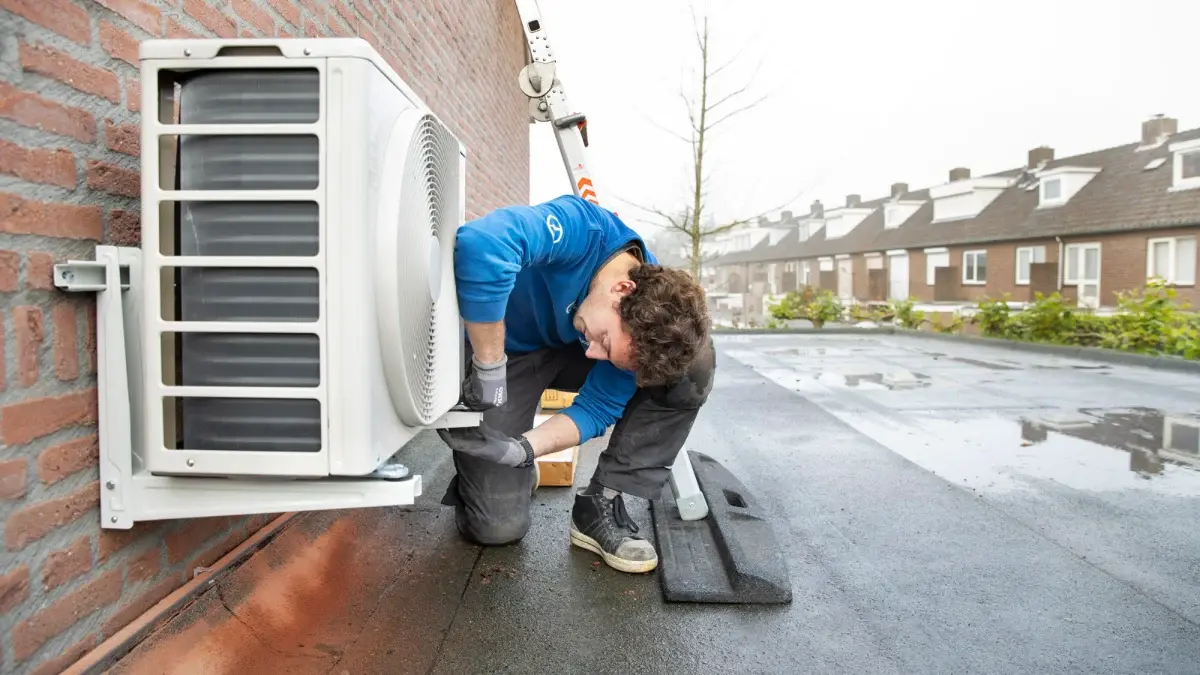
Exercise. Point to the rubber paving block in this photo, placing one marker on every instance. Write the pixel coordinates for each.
(730, 556)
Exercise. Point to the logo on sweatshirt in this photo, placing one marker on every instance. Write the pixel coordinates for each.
(555, 228)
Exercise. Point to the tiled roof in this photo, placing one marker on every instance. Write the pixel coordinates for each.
(1124, 196)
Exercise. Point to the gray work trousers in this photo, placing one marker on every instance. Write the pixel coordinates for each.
(492, 502)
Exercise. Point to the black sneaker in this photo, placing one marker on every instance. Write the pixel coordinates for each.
(601, 525)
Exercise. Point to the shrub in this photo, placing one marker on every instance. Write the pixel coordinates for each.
(819, 306)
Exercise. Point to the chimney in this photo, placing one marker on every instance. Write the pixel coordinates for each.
(1155, 129)
(959, 174)
(785, 217)
(899, 189)
(763, 220)
(853, 201)
(1039, 156)
(817, 211)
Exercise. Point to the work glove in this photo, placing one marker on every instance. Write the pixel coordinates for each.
(486, 385)
(488, 444)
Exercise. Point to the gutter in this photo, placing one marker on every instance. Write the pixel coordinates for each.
(1060, 262)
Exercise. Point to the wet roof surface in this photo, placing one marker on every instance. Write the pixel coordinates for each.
(944, 508)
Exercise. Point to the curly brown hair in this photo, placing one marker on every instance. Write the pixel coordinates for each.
(667, 318)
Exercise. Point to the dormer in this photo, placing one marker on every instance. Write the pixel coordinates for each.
(965, 197)
(1058, 185)
(813, 222)
(898, 210)
(841, 221)
(1185, 164)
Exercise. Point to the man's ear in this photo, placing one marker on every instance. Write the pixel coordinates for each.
(623, 287)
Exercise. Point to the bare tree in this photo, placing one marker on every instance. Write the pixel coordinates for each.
(704, 115)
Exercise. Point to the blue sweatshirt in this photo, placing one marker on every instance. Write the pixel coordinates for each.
(531, 266)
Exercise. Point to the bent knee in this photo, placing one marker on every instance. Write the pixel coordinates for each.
(494, 531)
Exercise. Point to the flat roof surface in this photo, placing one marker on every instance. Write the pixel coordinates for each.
(944, 507)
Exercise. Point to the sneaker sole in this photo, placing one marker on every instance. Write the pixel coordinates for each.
(620, 564)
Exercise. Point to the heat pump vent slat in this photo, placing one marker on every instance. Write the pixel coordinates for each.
(249, 229)
(251, 360)
(252, 96)
(248, 424)
(244, 294)
(249, 163)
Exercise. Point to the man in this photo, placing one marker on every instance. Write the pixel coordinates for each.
(564, 295)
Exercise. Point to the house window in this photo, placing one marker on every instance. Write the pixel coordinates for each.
(1082, 264)
(1026, 257)
(826, 264)
(974, 267)
(892, 217)
(934, 260)
(1172, 259)
(1051, 190)
(1186, 164)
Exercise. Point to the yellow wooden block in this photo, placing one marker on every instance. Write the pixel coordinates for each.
(556, 469)
(552, 399)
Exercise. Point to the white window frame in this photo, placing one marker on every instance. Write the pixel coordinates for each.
(1178, 150)
(1077, 250)
(967, 267)
(826, 264)
(930, 273)
(1035, 252)
(1172, 260)
(1043, 200)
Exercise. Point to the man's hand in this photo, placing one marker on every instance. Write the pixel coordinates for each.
(486, 385)
(486, 443)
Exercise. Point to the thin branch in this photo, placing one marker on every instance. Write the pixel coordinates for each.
(742, 109)
(726, 98)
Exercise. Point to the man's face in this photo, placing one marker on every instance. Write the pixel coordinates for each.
(601, 325)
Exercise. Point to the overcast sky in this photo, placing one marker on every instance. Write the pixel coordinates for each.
(861, 93)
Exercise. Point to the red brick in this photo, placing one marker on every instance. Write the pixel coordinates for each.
(123, 138)
(25, 421)
(111, 178)
(25, 216)
(210, 17)
(184, 542)
(65, 459)
(40, 271)
(146, 566)
(51, 167)
(133, 95)
(139, 606)
(255, 16)
(64, 17)
(311, 29)
(69, 656)
(124, 228)
(142, 14)
(30, 330)
(213, 552)
(66, 564)
(13, 474)
(287, 10)
(14, 588)
(66, 340)
(29, 635)
(175, 31)
(48, 61)
(113, 541)
(33, 111)
(10, 271)
(118, 43)
(36, 521)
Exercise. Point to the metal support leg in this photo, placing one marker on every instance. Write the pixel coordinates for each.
(689, 500)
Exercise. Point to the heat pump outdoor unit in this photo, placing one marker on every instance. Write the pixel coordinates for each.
(289, 321)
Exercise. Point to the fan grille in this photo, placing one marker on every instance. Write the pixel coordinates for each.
(427, 214)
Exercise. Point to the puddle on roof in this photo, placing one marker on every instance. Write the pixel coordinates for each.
(1087, 449)
(896, 379)
(813, 351)
(983, 364)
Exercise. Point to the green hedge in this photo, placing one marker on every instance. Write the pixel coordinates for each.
(1151, 320)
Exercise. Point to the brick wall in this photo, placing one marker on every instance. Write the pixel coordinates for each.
(69, 95)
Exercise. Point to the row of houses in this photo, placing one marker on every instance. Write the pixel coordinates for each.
(1086, 226)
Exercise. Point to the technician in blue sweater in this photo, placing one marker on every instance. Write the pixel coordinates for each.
(564, 295)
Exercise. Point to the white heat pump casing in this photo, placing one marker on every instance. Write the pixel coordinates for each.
(369, 120)
(365, 110)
